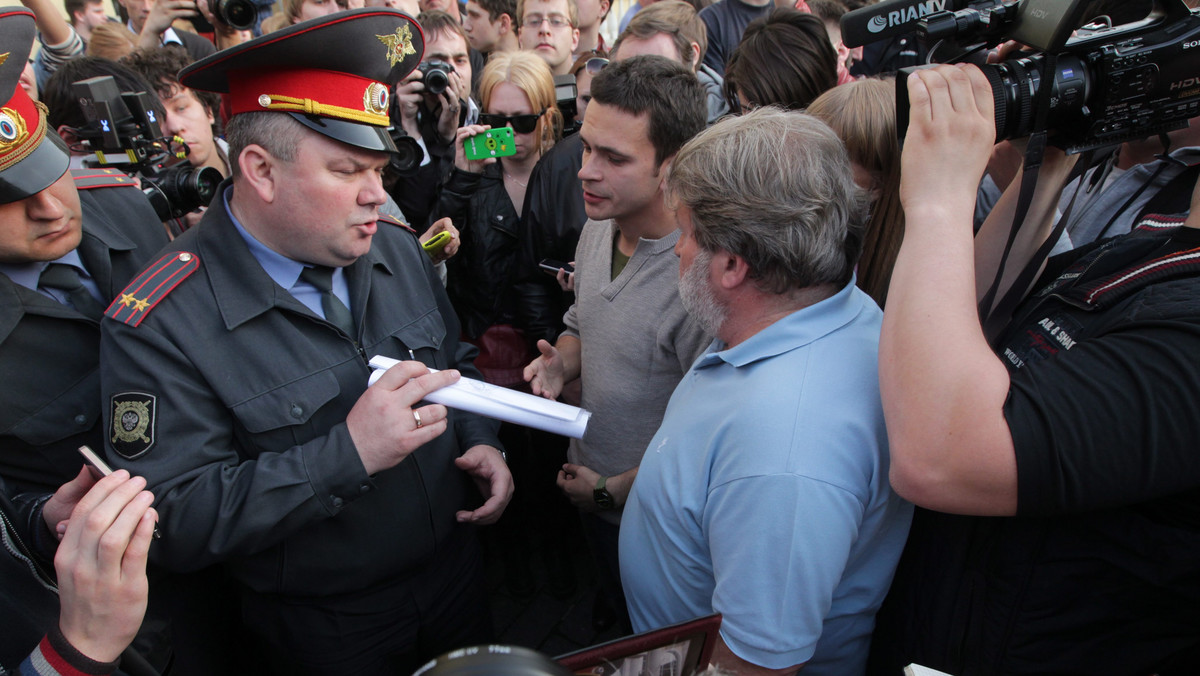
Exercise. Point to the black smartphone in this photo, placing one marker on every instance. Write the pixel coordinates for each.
(553, 266)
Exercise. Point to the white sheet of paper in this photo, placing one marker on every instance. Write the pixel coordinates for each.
(501, 403)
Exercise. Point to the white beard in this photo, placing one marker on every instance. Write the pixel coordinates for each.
(696, 294)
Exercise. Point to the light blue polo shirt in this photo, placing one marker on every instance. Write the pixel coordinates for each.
(764, 496)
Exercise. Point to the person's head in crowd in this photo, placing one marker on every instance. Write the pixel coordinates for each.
(491, 25)
(111, 41)
(591, 13)
(66, 115)
(584, 69)
(28, 81)
(830, 12)
(85, 15)
(445, 40)
(448, 6)
(785, 59)
(669, 28)
(37, 194)
(409, 7)
(137, 11)
(519, 85)
(550, 29)
(797, 226)
(303, 10)
(190, 114)
(863, 114)
(643, 110)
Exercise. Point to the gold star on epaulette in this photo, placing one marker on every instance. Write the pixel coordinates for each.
(127, 299)
(4, 57)
(399, 45)
(141, 304)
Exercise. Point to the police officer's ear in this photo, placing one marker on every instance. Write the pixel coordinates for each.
(258, 170)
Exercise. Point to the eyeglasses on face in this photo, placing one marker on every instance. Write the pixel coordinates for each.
(522, 124)
(536, 20)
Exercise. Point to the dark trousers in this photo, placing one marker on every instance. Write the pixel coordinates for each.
(391, 630)
(602, 538)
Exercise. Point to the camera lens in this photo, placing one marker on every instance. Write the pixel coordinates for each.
(1015, 87)
(239, 14)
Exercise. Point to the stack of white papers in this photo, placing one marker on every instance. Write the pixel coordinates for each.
(501, 403)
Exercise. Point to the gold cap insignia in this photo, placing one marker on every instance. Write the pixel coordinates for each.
(375, 99)
(4, 57)
(12, 129)
(399, 45)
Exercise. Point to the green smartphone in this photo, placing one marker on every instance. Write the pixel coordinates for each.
(491, 143)
(436, 243)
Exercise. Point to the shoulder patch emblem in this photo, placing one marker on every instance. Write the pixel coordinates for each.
(88, 179)
(132, 423)
(392, 220)
(150, 287)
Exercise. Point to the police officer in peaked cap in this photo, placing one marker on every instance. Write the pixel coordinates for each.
(236, 373)
(69, 241)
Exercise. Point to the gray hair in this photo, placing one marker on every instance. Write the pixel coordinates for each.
(278, 133)
(776, 188)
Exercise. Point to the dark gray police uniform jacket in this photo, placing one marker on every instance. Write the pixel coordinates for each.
(231, 397)
(49, 353)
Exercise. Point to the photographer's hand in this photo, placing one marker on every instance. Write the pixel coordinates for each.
(161, 15)
(448, 106)
(460, 155)
(950, 445)
(408, 96)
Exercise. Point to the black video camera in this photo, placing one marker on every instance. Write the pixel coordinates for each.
(123, 132)
(436, 75)
(1108, 84)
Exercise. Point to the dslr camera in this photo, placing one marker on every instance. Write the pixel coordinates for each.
(239, 14)
(123, 132)
(436, 75)
(1106, 84)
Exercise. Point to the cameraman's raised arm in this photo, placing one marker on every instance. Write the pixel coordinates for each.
(943, 388)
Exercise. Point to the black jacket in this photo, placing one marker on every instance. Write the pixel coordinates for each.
(553, 218)
(481, 274)
(247, 448)
(49, 353)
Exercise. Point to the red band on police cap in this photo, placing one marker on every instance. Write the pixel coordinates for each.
(310, 91)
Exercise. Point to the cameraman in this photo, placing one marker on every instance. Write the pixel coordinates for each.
(1075, 437)
(431, 118)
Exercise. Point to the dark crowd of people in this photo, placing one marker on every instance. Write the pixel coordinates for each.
(877, 388)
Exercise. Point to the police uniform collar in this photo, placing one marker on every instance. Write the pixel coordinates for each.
(243, 290)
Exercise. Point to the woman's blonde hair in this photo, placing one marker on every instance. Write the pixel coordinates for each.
(529, 73)
(863, 114)
(111, 40)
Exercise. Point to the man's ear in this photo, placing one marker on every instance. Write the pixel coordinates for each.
(695, 58)
(605, 5)
(258, 171)
(732, 270)
(506, 24)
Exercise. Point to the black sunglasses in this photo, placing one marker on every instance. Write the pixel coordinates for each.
(522, 124)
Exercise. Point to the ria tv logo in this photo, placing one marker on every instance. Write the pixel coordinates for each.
(909, 14)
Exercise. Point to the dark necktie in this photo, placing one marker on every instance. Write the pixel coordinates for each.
(66, 278)
(336, 312)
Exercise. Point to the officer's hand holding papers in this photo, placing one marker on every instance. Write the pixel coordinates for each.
(501, 403)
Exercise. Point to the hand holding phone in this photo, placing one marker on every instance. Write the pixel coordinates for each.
(100, 469)
(552, 266)
(436, 243)
(491, 143)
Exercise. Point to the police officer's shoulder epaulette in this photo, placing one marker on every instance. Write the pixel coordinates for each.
(149, 288)
(89, 179)
(392, 220)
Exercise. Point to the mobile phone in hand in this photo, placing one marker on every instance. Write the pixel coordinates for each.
(95, 463)
(491, 143)
(552, 266)
(436, 243)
